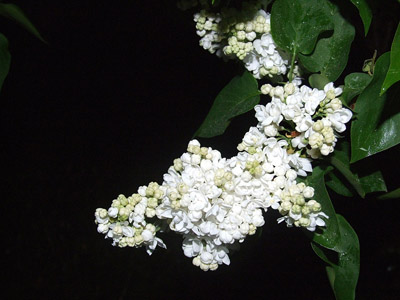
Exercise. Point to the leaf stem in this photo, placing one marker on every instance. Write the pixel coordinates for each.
(292, 65)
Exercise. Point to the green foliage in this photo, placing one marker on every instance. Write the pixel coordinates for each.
(373, 182)
(365, 13)
(363, 184)
(391, 195)
(331, 234)
(5, 59)
(296, 24)
(316, 32)
(377, 123)
(354, 84)
(318, 81)
(239, 96)
(319, 39)
(331, 53)
(13, 12)
(336, 185)
(339, 237)
(343, 275)
(393, 74)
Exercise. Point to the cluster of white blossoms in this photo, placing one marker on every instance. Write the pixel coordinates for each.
(207, 29)
(250, 41)
(215, 202)
(310, 118)
(126, 222)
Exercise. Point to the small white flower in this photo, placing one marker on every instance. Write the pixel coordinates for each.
(339, 118)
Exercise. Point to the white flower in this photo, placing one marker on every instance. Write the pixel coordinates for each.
(332, 92)
(300, 141)
(147, 235)
(254, 138)
(308, 192)
(113, 212)
(303, 122)
(102, 216)
(103, 228)
(339, 118)
(191, 246)
(271, 130)
(311, 98)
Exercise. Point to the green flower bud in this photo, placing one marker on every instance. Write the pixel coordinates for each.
(296, 209)
(304, 222)
(305, 211)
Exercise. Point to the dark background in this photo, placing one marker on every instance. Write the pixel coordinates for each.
(104, 108)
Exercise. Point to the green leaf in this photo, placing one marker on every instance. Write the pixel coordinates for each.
(393, 74)
(239, 96)
(5, 59)
(365, 13)
(331, 53)
(331, 234)
(339, 237)
(341, 161)
(364, 182)
(330, 272)
(318, 81)
(335, 184)
(373, 182)
(343, 274)
(391, 195)
(377, 126)
(296, 24)
(348, 269)
(354, 84)
(321, 253)
(14, 13)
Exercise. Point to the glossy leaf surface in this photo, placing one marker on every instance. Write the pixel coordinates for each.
(238, 97)
(377, 124)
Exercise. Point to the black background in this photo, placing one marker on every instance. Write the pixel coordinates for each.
(104, 108)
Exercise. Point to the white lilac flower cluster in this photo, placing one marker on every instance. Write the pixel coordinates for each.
(311, 118)
(250, 41)
(127, 223)
(215, 202)
(207, 29)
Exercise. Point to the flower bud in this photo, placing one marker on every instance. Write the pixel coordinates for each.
(305, 211)
(296, 209)
(113, 212)
(266, 89)
(147, 235)
(152, 202)
(117, 230)
(308, 192)
(286, 206)
(150, 212)
(325, 149)
(103, 228)
(149, 192)
(213, 267)
(299, 199)
(289, 88)
(304, 222)
(204, 267)
(318, 126)
(122, 199)
(196, 261)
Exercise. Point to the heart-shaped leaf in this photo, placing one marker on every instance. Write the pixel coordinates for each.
(239, 96)
(377, 124)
